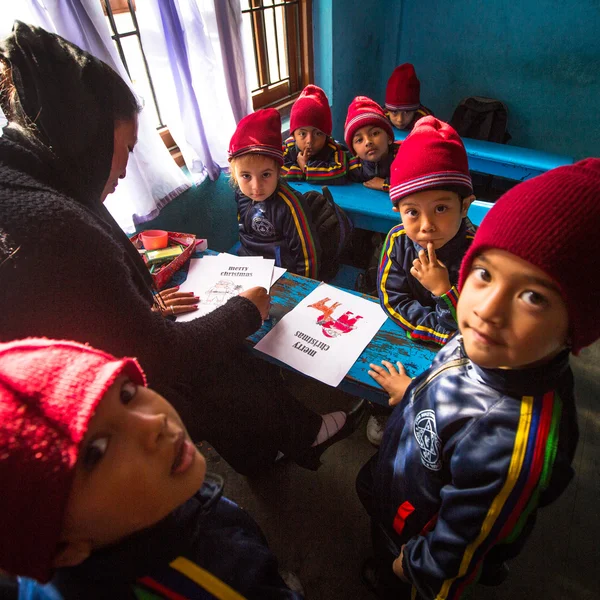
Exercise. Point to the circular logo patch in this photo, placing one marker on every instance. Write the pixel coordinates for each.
(425, 430)
(262, 226)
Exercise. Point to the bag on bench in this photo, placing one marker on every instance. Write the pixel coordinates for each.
(334, 230)
(481, 118)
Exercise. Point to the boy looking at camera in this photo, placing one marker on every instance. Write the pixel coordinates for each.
(486, 436)
(104, 493)
(310, 153)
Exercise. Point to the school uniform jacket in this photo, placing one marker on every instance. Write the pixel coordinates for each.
(327, 167)
(421, 112)
(466, 458)
(281, 228)
(422, 315)
(206, 549)
(360, 170)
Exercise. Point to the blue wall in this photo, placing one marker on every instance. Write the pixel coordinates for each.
(541, 57)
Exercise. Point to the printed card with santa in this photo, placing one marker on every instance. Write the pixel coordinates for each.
(325, 334)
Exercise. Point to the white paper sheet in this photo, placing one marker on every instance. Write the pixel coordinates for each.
(324, 335)
(215, 279)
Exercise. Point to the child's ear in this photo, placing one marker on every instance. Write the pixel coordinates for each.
(465, 205)
(72, 553)
(395, 209)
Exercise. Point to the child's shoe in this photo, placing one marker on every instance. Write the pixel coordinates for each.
(375, 428)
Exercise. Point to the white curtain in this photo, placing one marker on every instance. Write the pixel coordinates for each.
(153, 179)
(193, 48)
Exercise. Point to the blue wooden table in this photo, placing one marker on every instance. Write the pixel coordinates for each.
(372, 209)
(512, 162)
(390, 342)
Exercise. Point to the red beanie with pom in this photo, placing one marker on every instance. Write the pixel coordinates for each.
(258, 133)
(432, 157)
(552, 221)
(311, 109)
(403, 91)
(49, 391)
(362, 112)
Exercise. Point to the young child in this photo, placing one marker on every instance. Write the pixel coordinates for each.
(370, 138)
(403, 98)
(418, 273)
(310, 154)
(487, 435)
(274, 221)
(104, 493)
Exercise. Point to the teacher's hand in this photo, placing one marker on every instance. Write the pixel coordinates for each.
(175, 302)
(260, 298)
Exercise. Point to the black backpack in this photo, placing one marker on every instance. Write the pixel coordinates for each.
(481, 118)
(333, 227)
(366, 282)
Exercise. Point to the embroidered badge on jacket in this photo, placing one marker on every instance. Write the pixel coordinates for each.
(262, 226)
(425, 430)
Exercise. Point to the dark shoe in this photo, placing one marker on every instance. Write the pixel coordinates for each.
(493, 574)
(311, 458)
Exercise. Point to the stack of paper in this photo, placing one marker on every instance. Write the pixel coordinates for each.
(325, 334)
(215, 279)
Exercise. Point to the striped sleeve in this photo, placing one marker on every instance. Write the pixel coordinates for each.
(324, 171)
(420, 322)
(290, 169)
(300, 235)
(498, 473)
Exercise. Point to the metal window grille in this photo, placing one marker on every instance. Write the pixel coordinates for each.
(281, 39)
(126, 36)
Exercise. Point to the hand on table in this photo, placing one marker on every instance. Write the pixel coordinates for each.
(431, 272)
(393, 381)
(375, 184)
(260, 298)
(175, 302)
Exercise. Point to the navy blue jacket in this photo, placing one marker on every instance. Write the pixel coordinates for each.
(360, 170)
(327, 167)
(281, 228)
(466, 458)
(207, 542)
(421, 314)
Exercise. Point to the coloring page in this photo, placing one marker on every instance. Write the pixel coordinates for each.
(325, 334)
(216, 279)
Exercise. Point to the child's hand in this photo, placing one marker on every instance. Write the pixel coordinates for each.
(176, 303)
(303, 158)
(431, 272)
(375, 184)
(260, 298)
(397, 566)
(393, 381)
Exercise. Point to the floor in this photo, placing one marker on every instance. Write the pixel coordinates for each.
(317, 528)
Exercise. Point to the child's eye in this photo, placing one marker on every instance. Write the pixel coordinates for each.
(266, 175)
(440, 208)
(375, 132)
(411, 212)
(318, 134)
(302, 134)
(358, 140)
(128, 391)
(534, 299)
(481, 274)
(246, 176)
(93, 453)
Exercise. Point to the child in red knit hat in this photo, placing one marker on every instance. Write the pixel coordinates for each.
(310, 153)
(274, 221)
(370, 139)
(403, 98)
(487, 435)
(103, 492)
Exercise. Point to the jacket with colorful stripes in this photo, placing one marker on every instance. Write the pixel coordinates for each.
(281, 228)
(327, 167)
(360, 170)
(421, 112)
(207, 549)
(466, 459)
(422, 315)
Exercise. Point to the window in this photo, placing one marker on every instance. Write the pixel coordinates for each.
(281, 36)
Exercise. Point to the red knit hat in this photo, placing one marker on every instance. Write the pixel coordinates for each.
(362, 112)
(403, 91)
(48, 393)
(258, 133)
(432, 157)
(311, 109)
(552, 221)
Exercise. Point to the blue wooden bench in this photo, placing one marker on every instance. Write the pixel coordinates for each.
(372, 209)
(389, 343)
(512, 162)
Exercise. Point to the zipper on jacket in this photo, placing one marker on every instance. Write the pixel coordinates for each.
(457, 362)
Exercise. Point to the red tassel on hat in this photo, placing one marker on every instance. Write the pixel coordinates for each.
(258, 133)
(403, 91)
(432, 157)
